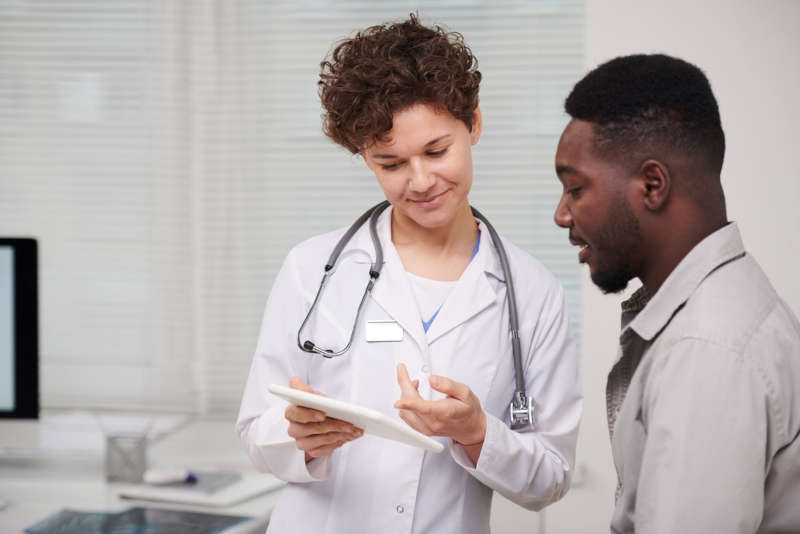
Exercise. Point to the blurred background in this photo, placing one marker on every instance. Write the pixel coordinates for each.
(167, 154)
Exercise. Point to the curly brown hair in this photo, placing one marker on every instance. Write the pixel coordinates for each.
(391, 67)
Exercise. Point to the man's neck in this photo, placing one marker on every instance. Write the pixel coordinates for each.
(671, 244)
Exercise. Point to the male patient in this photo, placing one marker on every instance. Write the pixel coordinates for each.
(703, 400)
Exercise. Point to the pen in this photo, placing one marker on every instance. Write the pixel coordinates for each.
(164, 476)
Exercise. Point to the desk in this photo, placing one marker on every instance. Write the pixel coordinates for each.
(37, 485)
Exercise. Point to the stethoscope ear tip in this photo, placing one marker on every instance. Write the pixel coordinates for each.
(308, 346)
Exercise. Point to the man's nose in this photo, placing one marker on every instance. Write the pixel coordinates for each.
(562, 216)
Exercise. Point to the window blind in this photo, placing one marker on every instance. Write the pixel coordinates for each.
(168, 155)
(82, 170)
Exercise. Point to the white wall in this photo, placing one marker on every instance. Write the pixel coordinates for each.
(750, 50)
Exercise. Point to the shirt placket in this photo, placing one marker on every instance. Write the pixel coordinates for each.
(630, 354)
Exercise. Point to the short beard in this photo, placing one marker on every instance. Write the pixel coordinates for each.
(619, 240)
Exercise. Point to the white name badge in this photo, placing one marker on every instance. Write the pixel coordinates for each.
(384, 331)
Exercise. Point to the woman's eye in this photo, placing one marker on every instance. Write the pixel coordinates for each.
(390, 166)
(574, 192)
(437, 153)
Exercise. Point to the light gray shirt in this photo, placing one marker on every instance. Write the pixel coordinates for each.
(703, 401)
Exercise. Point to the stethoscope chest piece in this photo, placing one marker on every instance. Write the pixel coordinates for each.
(520, 411)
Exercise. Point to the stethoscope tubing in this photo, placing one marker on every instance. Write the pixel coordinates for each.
(513, 319)
(521, 409)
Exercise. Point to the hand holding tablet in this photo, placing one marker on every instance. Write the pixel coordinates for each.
(314, 433)
(371, 421)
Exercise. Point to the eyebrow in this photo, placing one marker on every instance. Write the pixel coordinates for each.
(565, 169)
(428, 144)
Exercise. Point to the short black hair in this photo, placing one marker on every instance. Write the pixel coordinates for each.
(642, 102)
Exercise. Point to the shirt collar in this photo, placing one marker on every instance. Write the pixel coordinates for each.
(648, 314)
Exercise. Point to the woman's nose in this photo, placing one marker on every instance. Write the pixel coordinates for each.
(421, 178)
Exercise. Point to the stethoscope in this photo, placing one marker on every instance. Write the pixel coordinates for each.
(521, 408)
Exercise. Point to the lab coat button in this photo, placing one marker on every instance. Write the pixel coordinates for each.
(400, 509)
(426, 369)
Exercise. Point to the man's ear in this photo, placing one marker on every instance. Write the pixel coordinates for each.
(656, 181)
(477, 126)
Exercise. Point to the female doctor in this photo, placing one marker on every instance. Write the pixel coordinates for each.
(405, 98)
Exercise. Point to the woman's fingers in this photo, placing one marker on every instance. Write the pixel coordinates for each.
(325, 450)
(408, 389)
(415, 421)
(315, 433)
(296, 382)
(317, 441)
(299, 414)
(301, 430)
(451, 388)
(458, 416)
(302, 414)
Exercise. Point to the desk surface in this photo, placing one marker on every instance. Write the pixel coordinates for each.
(37, 485)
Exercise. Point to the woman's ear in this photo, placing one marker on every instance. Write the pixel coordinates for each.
(656, 181)
(477, 126)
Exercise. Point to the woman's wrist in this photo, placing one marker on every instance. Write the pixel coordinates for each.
(474, 448)
(476, 438)
(471, 444)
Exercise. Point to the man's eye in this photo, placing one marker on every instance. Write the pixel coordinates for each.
(390, 166)
(574, 192)
(437, 153)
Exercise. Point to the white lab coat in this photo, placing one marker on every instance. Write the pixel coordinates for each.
(377, 485)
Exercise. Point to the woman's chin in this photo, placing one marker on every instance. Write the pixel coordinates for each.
(430, 219)
(433, 217)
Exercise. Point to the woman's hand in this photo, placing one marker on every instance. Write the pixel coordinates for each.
(459, 416)
(314, 433)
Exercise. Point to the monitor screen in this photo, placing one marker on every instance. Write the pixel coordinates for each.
(7, 393)
(19, 352)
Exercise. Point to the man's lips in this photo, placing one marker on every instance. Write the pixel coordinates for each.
(583, 254)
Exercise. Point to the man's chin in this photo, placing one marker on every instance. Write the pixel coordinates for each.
(610, 282)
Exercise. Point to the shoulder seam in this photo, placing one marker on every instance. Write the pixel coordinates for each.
(747, 358)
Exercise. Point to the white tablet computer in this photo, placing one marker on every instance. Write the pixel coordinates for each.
(372, 421)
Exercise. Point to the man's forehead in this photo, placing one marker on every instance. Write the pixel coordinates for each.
(577, 154)
(578, 134)
(572, 146)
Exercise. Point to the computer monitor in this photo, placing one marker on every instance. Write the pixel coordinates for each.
(19, 329)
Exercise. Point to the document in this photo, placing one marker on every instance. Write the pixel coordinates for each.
(214, 489)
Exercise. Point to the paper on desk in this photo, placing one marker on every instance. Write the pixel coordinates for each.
(220, 489)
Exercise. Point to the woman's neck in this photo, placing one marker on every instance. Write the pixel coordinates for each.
(440, 253)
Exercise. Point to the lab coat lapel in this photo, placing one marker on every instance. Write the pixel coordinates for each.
(472, 294)
(392, 291)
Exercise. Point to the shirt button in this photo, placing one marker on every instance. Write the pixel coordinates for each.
(426, 369)
(400, 509)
